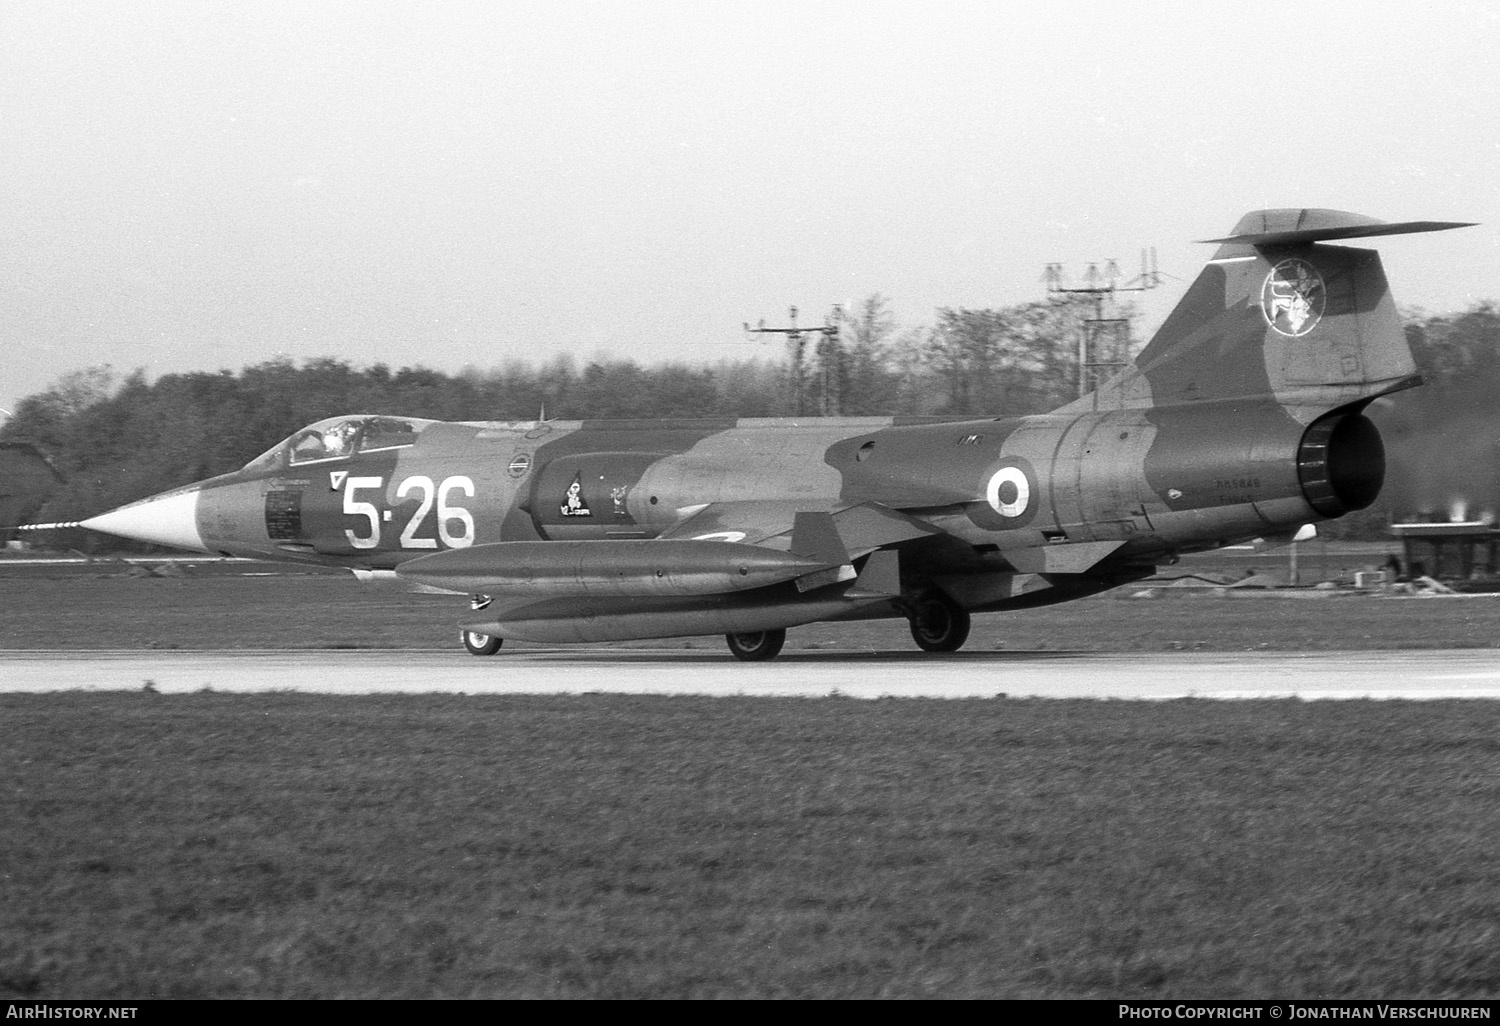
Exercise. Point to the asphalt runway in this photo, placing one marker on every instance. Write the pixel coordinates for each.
(1468, 673)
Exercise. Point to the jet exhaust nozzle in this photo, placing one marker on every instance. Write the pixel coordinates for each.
(1341, 464)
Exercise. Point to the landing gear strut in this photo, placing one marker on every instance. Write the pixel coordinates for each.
(756, 647)
(481, 644)
(938, 624)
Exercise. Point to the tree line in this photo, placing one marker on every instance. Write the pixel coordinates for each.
(1443, 439)
(115, 439)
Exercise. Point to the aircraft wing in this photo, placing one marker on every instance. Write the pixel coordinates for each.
(858, 528)
(716, 549)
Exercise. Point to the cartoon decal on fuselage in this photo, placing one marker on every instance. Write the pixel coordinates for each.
(574, 504)
(1241, 418)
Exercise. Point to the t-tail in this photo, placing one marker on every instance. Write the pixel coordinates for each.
(1278, 315)
(1282, 340)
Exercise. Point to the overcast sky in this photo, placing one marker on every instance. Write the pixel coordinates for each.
(197, 185)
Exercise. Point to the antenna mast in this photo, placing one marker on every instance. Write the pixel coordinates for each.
(1103, 341)
(830, 387)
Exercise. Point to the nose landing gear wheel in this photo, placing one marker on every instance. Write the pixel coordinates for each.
(756, 647)
(939, 625)
(481, 644)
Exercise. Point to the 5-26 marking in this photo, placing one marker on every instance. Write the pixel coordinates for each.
(455, 524)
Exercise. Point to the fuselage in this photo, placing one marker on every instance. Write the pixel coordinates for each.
(1147, 483)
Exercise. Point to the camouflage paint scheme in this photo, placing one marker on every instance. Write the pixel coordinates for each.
(1240, 419)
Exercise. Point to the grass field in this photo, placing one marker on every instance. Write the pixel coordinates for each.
(280, 845)
(302, 846)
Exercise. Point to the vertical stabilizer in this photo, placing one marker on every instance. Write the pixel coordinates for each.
(1277, 315)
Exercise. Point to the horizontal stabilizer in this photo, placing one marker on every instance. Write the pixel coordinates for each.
(1297, 227)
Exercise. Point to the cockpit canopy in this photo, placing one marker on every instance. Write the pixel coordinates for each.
(338, 437)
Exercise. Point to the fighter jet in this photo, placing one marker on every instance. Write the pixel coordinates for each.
(1241, 418)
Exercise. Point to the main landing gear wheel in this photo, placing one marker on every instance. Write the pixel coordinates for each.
(756, 647)
(482, 644)
(938, 624)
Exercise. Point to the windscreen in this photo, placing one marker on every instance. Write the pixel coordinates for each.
(340, 437)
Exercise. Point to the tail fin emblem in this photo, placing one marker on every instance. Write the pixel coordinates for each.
(1293, 297)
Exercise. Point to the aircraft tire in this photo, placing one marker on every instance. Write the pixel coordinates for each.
(481, 644)
(939, 624)
(756, 647)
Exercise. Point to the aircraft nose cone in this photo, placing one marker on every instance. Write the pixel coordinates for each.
(167, 519)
